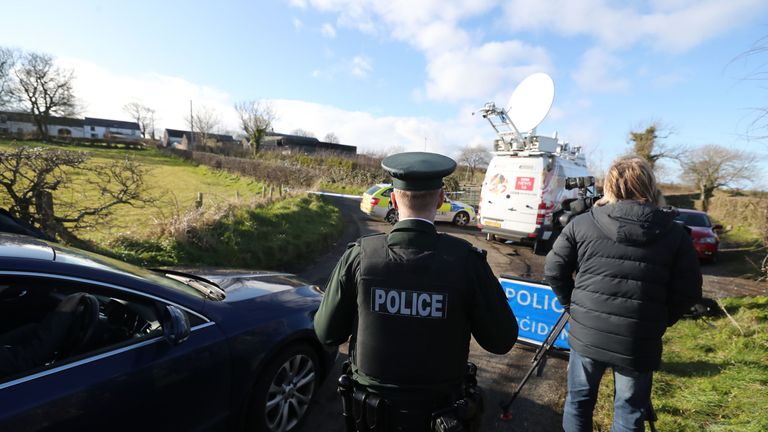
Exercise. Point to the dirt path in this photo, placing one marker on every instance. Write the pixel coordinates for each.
(539, 407)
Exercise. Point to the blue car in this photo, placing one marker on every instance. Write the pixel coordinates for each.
(92, 343)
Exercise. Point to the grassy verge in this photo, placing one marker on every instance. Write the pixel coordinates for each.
(281, 235)
(711, 379)
(174, 183)
(323, 186)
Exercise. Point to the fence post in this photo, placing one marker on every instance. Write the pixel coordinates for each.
(237, 196)
(270, 192)
(199, 202)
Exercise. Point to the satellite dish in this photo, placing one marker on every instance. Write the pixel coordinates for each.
(531, 101)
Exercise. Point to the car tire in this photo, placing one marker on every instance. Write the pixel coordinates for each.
(461, 219)
(392, 217)
(541, 247)
(283, 393)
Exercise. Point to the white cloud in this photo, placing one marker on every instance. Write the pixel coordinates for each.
(483, 72)
(104, 93)
(458, 67)
(598, 71)
(672, 26)
(361, 66)
(297, 24)
(372, 133)
(328, 31)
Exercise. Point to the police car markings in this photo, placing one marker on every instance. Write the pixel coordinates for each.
(392, 301)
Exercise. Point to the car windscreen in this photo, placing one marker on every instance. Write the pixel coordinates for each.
(373, 190)
(693, 219)
(92, 260)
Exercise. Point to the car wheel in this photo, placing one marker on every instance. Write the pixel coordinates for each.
(284, 390)
(461, 219)
(541, 247)
(392, 217)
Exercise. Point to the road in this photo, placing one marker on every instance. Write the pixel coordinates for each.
(539, 407)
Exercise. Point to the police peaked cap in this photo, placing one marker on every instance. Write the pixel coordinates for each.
(418, 171)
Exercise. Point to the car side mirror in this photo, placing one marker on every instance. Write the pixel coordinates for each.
(175, 325)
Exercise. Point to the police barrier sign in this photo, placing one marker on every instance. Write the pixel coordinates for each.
(536, 308)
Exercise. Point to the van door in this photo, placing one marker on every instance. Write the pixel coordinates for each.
(511, 194)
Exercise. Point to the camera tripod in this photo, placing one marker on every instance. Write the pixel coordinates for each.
(537, 365)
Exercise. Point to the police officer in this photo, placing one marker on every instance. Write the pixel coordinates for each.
(409, 301)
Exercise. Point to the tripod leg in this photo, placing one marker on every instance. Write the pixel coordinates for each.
(651, 416)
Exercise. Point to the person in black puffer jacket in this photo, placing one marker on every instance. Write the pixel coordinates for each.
(626, 271)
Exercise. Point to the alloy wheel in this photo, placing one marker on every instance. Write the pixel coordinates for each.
(289, 393)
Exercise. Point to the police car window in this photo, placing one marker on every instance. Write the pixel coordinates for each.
(372, 190)
(49, 322)
(387, 193)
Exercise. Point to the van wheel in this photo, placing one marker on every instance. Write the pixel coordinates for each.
(541, 247)
(392, 217)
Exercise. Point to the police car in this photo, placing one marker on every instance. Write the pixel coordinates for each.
(377, 204)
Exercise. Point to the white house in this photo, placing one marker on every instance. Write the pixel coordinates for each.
(18, 123)
(103, 128)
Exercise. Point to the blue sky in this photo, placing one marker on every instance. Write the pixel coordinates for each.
(392, 75)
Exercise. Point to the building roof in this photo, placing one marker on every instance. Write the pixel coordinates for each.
(23, 117)
(176, 133)
(117, 124)
(298, 140)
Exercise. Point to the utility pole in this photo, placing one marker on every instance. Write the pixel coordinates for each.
(191, 127)
(425, 143)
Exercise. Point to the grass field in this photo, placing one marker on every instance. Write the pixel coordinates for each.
(174, 182)
(282, 235)
(712, 378)
(236, 227)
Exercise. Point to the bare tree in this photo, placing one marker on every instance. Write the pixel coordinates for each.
(256, 119)
(650, 144)
(205, 122)
(331, 137)
(303, 133)
(8, 59)
(33, 179)
(44, 89)
(712, 167)
(474, 158)
(144, 116)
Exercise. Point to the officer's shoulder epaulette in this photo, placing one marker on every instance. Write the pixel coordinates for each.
(357, 242)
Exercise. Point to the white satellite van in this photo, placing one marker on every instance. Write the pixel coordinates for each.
(520, 192)
(525, 181)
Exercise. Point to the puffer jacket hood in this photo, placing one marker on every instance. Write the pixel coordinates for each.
(632, 222)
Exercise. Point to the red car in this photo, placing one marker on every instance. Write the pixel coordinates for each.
(704, 234)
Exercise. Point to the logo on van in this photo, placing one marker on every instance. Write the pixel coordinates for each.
(524, 183)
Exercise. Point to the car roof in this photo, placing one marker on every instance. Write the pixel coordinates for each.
(691, 211)
(26, 247)
(21, 246)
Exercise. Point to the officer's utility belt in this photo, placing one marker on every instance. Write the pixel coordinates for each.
(365, 411)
